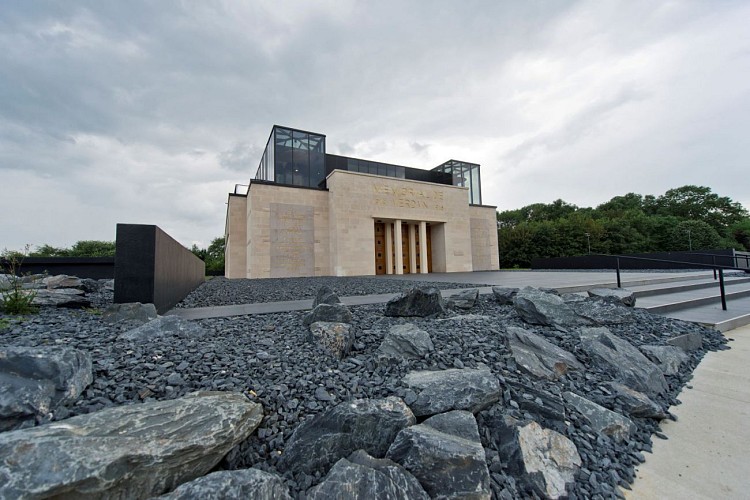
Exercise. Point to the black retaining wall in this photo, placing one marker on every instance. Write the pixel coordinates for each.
(152, 267)
(718, 257)
(84, 267)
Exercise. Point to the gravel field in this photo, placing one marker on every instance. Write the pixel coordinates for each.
(268, 358)
(223, 292)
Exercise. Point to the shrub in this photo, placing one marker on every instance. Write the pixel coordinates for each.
(14, 299)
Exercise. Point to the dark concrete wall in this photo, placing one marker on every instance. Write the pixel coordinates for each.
(718, 257)
(84, 267)
(152, 267)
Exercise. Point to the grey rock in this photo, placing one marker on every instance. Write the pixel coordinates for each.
(132, 311)
(465, 299)
(334, 338)
(669, 357)
(602, 420)
(37, 380)
(600, 311)
(504, 296)
(636, 403)
(542, 308)
(6, 281)
(330, 313)
(62, 281)
(172, 326)
(231, 485)
(325, 296)
(417, 301)
(539, 357)
(405, 341)
(132, 451)
(445, 454)
(544, 460)
(623, 360)
(62, 297)
(362, 476)
(453, 389)
(688, 342)
(544, 405)
(626, 297)
(367, 424)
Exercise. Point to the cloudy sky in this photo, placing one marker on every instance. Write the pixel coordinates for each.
(150, 112)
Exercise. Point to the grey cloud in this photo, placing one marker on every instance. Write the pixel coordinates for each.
(242, 157)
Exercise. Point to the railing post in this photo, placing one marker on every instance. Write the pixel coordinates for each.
(714, 274)
(619, 283)
(721, 288)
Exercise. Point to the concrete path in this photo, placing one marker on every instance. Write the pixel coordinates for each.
(706, 455)
(564, 281)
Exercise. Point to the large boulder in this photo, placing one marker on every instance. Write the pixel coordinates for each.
(623, 361)
(132, 311)
(544, 460)
(625, 297)
(453, 389)
(600, 419)
(600, 311)
(446, 455)
(537, 356)
(334, 338)
(363, 476)
(417, 301)
(367, 424)
(465, 299)
(330, 313)
(70, 298)
(670, 358)
(503, 295)
(325, 295)
(164, 326)
(62, 281)
(405, 341)
(635, 403)
(688, 342)
(35, 381)
(233, 484)
(538, 307)
(133, 451)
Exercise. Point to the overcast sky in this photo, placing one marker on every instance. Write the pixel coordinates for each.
(151, 112)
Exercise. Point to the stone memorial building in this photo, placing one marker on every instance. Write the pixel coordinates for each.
(309, 213)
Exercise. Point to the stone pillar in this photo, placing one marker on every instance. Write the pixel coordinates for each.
(423, 247)
(412, 248)
(388, 248)
(398, 243)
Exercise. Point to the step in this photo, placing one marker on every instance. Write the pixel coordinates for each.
(633, 283)
(651, 290)
(712, 315)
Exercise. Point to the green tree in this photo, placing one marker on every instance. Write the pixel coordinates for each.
(700, 204)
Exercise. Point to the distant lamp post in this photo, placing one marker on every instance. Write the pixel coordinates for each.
(588, 241)
(690, 240)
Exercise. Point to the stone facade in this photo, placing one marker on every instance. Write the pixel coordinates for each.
(292, 231)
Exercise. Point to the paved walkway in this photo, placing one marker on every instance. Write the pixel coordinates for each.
(708, 451)
(565, 281)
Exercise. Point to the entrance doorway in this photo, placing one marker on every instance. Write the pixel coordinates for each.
(381, 248)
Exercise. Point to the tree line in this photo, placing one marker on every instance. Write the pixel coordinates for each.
(682, 219)
(213, 256)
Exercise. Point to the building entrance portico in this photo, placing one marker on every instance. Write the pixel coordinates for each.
(403, 247)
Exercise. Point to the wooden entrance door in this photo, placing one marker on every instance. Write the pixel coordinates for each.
(380, 248)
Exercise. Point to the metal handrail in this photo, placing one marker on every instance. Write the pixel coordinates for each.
(715, 268)
(734, 257)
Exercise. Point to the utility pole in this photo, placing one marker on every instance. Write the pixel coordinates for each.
(588, 241)
(690, 240)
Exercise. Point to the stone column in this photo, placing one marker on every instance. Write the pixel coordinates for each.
(398, 243)
(423, 247)
(388, 248)
(412, 248)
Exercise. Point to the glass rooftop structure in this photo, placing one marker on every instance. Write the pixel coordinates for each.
(298, 158)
